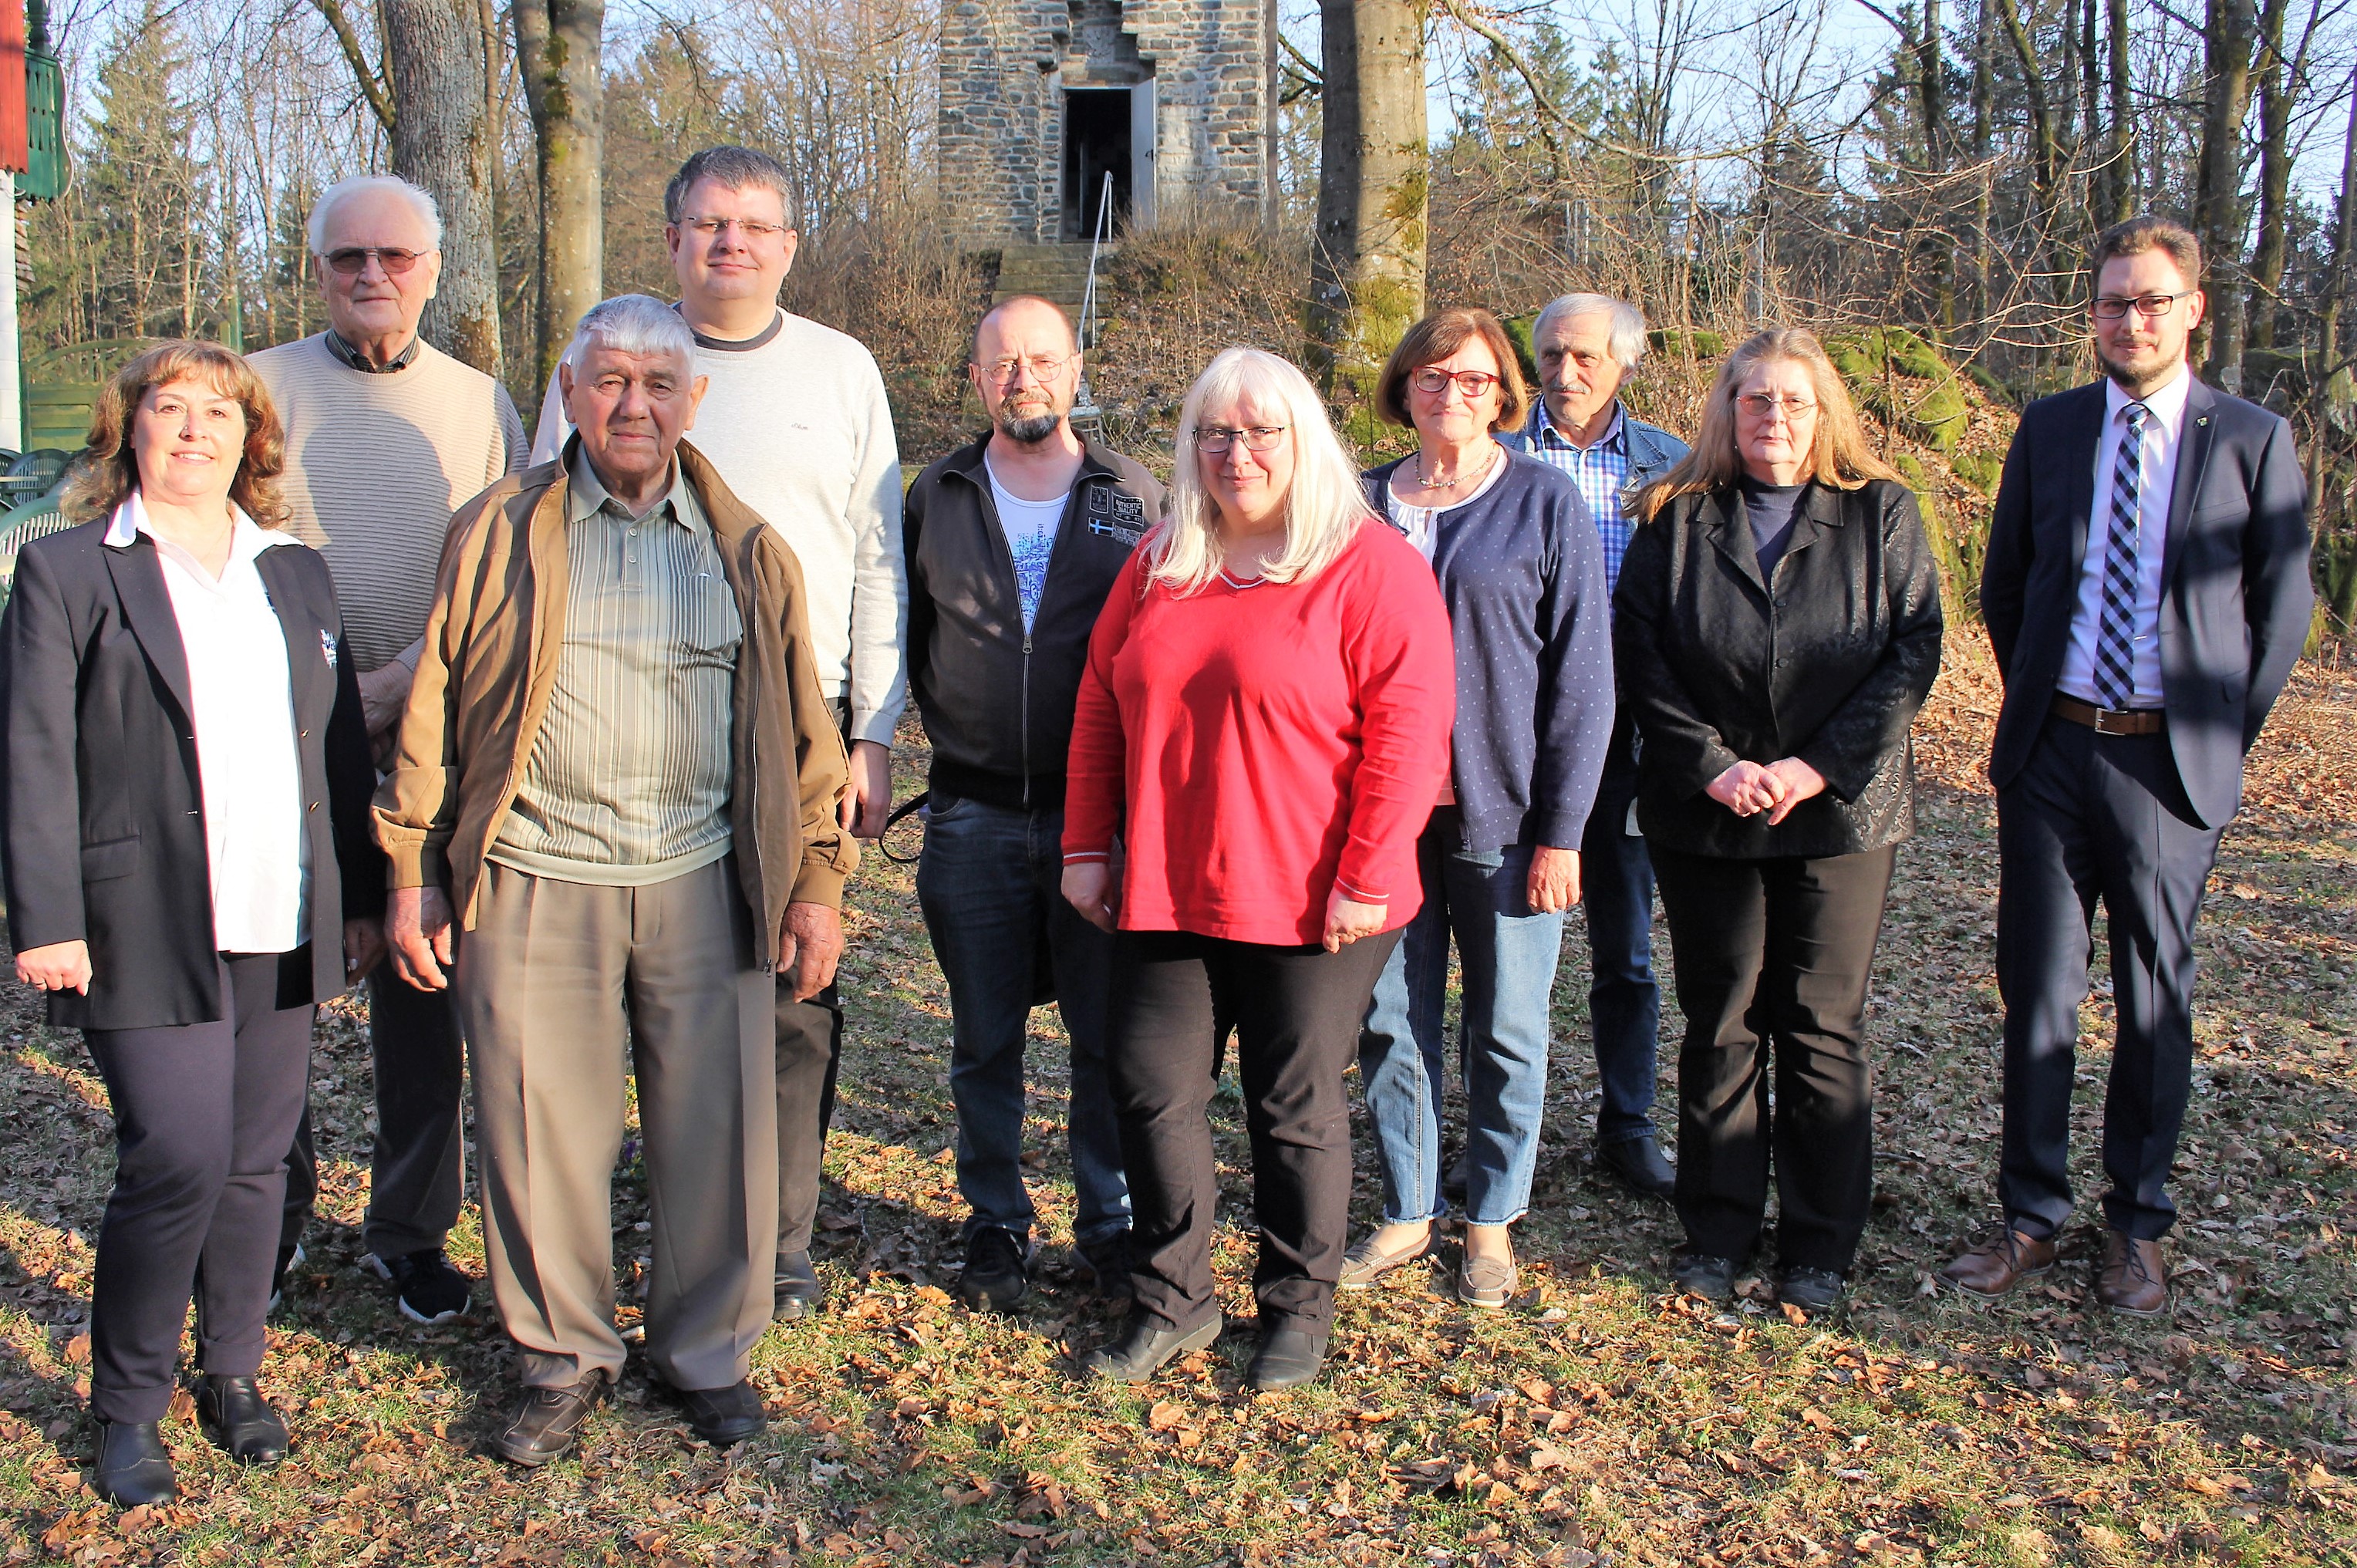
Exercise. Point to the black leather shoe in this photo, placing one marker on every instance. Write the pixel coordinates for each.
(1699, 1274)
(1637, 1163)
(998, 1274)
(722, 1417)
(1287, 1358)
(1811, 1290)
(1108, 1262)
(240, 1421)
(133, 1467)
(1142, 1349)
(797, 1287)
(549, 1422)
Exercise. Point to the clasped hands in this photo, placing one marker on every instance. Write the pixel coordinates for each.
(1749, 788)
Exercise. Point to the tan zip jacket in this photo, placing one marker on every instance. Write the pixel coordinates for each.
(489, 663)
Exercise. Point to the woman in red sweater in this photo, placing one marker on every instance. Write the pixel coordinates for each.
(1262, 728)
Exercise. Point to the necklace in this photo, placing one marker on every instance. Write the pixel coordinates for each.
(1425, 481)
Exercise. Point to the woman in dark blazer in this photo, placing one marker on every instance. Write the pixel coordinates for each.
(1776, 627)
(183, 806)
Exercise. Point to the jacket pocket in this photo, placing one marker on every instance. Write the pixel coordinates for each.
(112, 858)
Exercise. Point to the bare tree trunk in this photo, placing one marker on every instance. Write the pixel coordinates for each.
(557, 44)
(2121, 159)
(2227, 34)
(2091, 116)
(1932, 83)
(1366, 277)
(1983, 95)
(442, 140)
(2279, 80)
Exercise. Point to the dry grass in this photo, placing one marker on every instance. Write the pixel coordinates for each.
(1600, 1420)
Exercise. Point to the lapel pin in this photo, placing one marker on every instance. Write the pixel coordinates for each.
(2203, 420)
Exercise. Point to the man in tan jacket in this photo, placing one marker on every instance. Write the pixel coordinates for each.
(616, 777)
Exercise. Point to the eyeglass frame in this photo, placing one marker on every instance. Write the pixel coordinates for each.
(1014, 365)
(1203, 435)
(385, 256)
(1457, 379)
(2135, 302)
(1793, 410)
(712, 227)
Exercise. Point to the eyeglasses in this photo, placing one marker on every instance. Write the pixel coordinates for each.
(752, 229)
(1474, 384)
(353, 260)
(1764, 405)
(2111, 307)
(1213, 441)
(1044, 368)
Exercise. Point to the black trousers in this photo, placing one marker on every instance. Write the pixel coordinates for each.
(810, 1049)
(203, 1115)
(417, 1172)
(1773, 954)
(1297, 1013)
(2096, 817)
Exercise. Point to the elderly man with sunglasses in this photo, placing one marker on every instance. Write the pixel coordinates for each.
(386, 437)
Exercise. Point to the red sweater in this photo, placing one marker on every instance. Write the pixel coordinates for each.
(1255, 745)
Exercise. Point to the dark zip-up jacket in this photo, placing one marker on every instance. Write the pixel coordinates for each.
(997, 699)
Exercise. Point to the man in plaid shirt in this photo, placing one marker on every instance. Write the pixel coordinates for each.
(1587, 346)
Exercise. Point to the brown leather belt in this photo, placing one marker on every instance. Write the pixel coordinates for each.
(2108, 721)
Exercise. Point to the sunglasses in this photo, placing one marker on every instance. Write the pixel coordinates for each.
(353, 260)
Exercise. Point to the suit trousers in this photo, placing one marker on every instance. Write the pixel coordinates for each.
(203, 1115)
(564, 987)
(1296, 1012)
(2096, 817)
(810, 1052)
(417, 1172)
(1773, 955)
(1624, 1000)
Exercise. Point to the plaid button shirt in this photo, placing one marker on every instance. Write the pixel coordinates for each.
(1600, 471)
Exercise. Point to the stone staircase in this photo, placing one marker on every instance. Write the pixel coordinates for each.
(1059, 272)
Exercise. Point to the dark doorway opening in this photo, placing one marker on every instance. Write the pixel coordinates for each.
(1096, 144)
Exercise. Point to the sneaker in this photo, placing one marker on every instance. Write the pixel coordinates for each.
(427, 1289)
(1699, 1274)
(997, 1270)
(289, 1260)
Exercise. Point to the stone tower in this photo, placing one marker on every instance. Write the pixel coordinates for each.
(1043, 101)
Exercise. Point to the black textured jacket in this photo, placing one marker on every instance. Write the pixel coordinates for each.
(997, 701)
(1828, 661)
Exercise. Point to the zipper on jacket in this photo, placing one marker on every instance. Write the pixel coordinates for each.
(1025, 706)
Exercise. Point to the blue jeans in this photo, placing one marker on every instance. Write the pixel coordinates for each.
(1509, 956)
(1624, 1002)
(989, 885)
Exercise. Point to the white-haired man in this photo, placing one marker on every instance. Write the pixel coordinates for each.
(1587, 346)
(386, 437)
(617, 774)
(797, 424)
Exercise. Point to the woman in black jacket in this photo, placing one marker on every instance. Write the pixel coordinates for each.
(189, 868)
(1776, 627)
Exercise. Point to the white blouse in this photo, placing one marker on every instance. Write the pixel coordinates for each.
(249, 769)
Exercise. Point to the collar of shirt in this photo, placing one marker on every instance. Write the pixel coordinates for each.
(359, 362)
(2167, 405)
(247, 538)
(587, 495)
(1615, 437)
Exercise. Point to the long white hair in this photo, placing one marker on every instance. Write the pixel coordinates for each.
(1323, 507)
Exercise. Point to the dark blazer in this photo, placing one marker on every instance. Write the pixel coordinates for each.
(101, 808)
(2234, 591)
(1522, 575)
(1829, 666)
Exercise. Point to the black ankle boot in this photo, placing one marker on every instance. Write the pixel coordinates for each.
(240, 1421)
(133, 1467)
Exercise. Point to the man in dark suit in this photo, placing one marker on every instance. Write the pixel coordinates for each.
(2147, 591)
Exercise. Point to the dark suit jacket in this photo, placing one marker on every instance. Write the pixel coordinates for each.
(1828, 661)
(2234, 592)
(101, 808)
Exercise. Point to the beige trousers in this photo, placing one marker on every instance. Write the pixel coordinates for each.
(558, 984)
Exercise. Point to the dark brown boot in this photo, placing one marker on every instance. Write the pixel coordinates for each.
(2132, 1282)
(1995, 1267)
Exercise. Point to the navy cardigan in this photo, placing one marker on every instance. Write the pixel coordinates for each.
(1522, 574)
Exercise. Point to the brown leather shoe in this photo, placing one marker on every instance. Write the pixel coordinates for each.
(2132, 1282)
(549, 1422)
(1995, 1267)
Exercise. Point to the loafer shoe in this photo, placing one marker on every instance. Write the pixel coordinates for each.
(1287, 1358)
(1366, 1262)
(133, 1467)
(1143, 1349)
(722, 1417)
(1639, 1164)
(2134, 1281)
(240, 1421)
(424, 1286)
(1995, 1266)
(1700, 1273)
(1487, 1282)
(796, 1287)
(998, 1274)
(549, 1422)
(1811, 1290)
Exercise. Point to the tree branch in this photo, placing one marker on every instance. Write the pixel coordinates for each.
(1481, 26)
(372, 82)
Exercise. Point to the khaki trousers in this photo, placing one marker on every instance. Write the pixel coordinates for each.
(557, 982)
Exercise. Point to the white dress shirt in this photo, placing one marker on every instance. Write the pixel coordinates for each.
(249, 771)
(2163, 426)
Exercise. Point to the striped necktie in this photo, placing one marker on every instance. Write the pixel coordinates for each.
(2115, 632)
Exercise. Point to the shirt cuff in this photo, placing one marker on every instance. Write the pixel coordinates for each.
(1087, 857)
(1359, 895)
